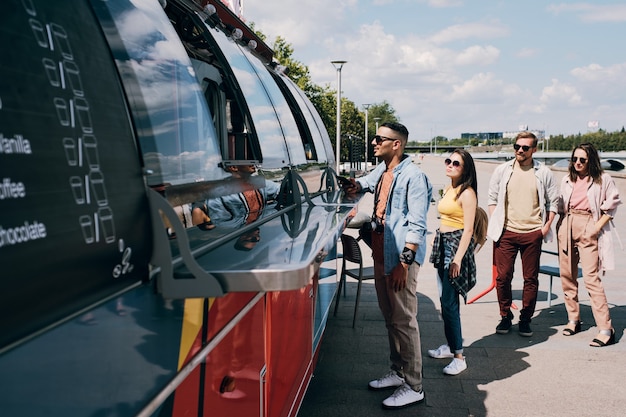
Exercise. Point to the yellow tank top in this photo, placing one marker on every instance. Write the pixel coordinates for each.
(450, 210)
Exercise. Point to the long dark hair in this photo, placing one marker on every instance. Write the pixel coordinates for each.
(594, 168)
(468, 177)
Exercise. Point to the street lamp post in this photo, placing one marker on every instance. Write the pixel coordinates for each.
(376, 119)
(366, 107)
(338, 65)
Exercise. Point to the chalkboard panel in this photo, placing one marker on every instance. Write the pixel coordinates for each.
(74, 218)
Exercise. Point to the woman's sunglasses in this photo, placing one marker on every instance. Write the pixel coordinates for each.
(449, 161)
(525, 148)
(576, 159)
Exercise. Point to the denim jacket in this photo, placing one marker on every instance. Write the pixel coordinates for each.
(232, 210)
(407, 206)
(547, 189)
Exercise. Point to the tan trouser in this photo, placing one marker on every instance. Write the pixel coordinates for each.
(400, 312)
(578, 242)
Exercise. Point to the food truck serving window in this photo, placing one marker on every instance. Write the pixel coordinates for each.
(176, 132)
(319, 134)
(270, 112)
(74, 224)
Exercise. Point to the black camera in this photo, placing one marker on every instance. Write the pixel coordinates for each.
(377, 226)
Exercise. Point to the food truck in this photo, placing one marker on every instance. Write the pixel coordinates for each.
(169, 214)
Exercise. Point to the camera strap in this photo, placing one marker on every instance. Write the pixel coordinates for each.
(378, 188)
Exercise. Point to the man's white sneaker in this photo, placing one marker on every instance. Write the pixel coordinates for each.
(455, 367)
(403, 397)
(389, 380)
(442, 352)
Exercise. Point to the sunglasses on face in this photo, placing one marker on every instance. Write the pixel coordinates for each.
(525, 148)
(576, 159)
(380, 139)
(250, 238)
(449, 161)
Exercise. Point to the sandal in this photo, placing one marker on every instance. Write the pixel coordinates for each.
(602, 341)
(571, 328)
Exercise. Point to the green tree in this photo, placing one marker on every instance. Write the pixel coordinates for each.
(352, 120)
(324, 100)
(377, 113)
(603, 141)
(381, 113)
(296, 70)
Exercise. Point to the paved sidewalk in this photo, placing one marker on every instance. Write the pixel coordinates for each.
(547, 374)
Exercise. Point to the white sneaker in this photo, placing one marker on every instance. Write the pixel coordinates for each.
(442, 352)
(402, 397)
(455, 367)
(389, 380)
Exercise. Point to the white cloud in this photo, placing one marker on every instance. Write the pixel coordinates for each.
(303, 22)
(445, 3)
(559, 93)
(486, 88)
(602, 85)
(432, 3)
(478, 55)
(457, 65)
(372, 47)
(526, 53)
(588, 12)
(597, 73)
(488, 30)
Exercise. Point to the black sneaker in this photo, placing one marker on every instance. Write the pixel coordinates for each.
(505, 324)
(524, 328)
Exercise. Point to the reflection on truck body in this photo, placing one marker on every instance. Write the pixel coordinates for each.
(142, 273)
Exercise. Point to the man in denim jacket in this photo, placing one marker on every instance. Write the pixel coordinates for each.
(402, 198)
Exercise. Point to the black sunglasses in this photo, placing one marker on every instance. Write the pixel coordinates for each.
(525, 148)
(449, 161)
(380, 139)
(250, 238)
(576, 159)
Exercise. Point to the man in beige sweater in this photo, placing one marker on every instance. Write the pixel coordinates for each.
(523, 198)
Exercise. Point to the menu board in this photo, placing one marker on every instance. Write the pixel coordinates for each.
(74, 217)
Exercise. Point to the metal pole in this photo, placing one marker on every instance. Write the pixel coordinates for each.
(366, 107)
(338, 65)
(376, 119)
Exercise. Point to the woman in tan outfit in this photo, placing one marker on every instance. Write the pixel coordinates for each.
(587, 204)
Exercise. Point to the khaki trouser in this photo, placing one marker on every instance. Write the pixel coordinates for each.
(400, 312)
(579, 243)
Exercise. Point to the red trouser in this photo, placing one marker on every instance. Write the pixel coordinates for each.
(505, 252)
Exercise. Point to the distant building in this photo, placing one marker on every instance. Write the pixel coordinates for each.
(482, 136)
(541, 134)
(490, 136)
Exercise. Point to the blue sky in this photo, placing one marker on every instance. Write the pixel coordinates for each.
(453, 66)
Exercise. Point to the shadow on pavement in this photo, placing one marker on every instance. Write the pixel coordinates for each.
(349, 358)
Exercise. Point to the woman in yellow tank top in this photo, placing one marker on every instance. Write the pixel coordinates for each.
(453, 254)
